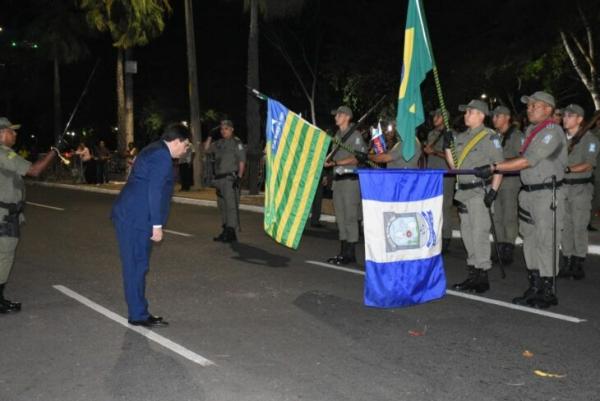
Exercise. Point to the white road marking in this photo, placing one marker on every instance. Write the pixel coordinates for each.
(471, 297)
(178, 233)
(149, 334)
(45, 206)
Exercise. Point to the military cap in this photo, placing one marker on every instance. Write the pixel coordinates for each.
(227, 123)
(575, 109)
(342, 109)
(477, 105)
(540, 96)
(501, 110)
(436, 112)
(5, 123)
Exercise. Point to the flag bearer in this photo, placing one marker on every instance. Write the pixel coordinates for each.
(346, 190)
(474, 147)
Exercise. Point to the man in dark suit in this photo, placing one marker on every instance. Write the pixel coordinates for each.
(139, 213)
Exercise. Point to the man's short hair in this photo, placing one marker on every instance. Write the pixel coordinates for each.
(175, 131)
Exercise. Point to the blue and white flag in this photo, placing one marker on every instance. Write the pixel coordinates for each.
(402, 214)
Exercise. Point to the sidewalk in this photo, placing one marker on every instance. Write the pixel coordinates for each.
(255, 203)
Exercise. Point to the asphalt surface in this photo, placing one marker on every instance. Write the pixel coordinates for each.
(275, 326)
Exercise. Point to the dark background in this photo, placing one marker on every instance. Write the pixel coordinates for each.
(501, 48)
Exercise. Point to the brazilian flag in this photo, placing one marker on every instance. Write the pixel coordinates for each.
(417, 62)
(295, 152)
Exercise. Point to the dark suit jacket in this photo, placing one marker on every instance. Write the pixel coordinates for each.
(145, 200)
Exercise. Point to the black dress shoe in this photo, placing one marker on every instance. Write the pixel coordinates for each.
(152, 321)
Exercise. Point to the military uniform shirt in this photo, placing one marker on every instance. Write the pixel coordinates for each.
(512, 141)
(228, 155)
(354, 142)
(436, 162)
(487, 151)
(585, 151)
(12, 169)
(546, 154)
(397, 159)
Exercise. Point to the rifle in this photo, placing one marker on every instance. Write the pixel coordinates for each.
(583, 130)
(352, 129)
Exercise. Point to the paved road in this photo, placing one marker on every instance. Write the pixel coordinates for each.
(275, 326)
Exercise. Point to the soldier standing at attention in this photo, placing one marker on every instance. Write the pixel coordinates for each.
(505, 207)
(543, 160)
(346, 190)
(230, 162)
(436, 159)
(579, 188)
(478, 145)
(12, 200)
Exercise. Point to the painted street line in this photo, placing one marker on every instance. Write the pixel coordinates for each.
(178, 233)
(149, 334)
(45, 206)
(472, 297)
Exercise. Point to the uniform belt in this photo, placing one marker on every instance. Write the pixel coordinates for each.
(13, 208)
(576, 181)
(219, 176)
(472, 185)
(340, 177)
(539, 187)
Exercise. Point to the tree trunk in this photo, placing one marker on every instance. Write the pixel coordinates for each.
(57, 106)
(121, 138)
(129, 135)
(193, 95)
(252, 106)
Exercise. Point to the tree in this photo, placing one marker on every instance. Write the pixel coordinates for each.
(131, 23)
(57, 32)
(268, 9)
(583, 57)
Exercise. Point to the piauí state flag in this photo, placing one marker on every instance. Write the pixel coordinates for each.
(402, 215)
(295, 153)
(417, 62)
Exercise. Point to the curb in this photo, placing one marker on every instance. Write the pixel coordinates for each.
(592, 249)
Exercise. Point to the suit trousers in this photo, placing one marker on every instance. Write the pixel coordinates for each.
(134, 247)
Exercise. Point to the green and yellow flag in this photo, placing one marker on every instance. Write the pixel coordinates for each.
(295, 154)
(417, 62)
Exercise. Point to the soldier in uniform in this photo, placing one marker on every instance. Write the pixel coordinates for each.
(12, 200)
(346, 190)
(478, 145)
(230, 162)
(505, 207)
(393, 156)
(543, 160)
(579, 189)
(436, 159)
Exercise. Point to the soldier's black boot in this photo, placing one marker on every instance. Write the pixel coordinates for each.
(230, 235)
(507, 253)
(545, 298)
(221, 236)
(469, 283)
(350, 254)
(446, 245)
(335, 260)
(566, 267)
(7, 306)
(535, 286)
(577, 266)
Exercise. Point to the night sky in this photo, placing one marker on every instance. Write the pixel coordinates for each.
(478, 45)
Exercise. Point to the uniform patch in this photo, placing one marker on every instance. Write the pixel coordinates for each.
(240, 146)
(497, 143)
(357, 141)
(592, 148)
(547, 139)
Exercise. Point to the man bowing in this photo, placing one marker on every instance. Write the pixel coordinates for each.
(139, 213)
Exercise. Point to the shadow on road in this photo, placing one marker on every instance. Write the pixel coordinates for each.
(257, 256)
